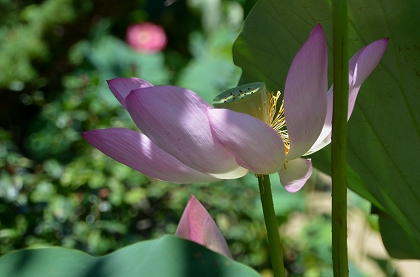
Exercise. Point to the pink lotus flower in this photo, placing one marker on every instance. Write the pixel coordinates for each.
(185, 140)
(197, 225)
(146, 37)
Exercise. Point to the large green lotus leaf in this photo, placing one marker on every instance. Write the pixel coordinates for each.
(384, 131)
(168, 256)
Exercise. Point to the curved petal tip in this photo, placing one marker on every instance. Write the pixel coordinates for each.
(121, 87)
(294, 176)
(318, 29)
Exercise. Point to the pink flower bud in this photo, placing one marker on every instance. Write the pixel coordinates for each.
(197, 225)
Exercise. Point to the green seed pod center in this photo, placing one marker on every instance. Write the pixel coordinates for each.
(251, 99)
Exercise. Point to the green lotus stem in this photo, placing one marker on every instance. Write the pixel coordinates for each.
(339, 139)
(271, 225)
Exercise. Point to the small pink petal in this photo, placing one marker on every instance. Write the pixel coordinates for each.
(295, 174)
(360, 66)
(255, 145)
(175, 119)
(305, 99)
(138, 152)
(121, 87)
(197, 225)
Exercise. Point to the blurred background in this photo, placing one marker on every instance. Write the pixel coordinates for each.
(56, 189)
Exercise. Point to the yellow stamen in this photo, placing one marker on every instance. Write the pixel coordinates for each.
(277, 121)
(259, 115)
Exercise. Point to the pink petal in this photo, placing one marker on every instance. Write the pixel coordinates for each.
(295, 174)
(175, 119)
(121, 87)
(324, 137)
(305, 99)
(197, 225)
(256, 145)
(360, 66)
(213, 238)
(138, 152)
(191, 225)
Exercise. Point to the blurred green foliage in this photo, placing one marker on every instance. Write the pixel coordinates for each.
(56, 189)
(21, 36)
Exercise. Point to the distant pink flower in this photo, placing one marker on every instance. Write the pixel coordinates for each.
(146, 37)
(197, 225)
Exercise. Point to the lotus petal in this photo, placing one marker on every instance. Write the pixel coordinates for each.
(305, 99)
(138, 152)
(197, 225)
(175, 119)
(121, 87)
(295, 174)
(255, 145)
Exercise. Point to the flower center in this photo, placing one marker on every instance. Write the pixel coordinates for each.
(277, 121)
(253, 99)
